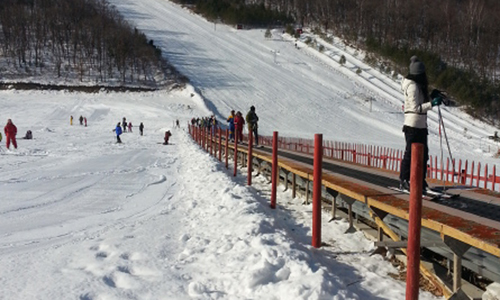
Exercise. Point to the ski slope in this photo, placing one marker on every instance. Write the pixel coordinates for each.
(82, 217)
(297, 92)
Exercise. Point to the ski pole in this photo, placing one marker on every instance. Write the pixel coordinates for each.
(447, 142)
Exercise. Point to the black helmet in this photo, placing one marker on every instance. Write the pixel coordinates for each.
(252, 108)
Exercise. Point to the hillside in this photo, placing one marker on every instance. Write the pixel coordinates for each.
(297, 92)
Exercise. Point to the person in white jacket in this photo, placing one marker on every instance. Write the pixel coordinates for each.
(417, 104)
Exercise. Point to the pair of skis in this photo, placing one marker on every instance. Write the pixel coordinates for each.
(430, 195)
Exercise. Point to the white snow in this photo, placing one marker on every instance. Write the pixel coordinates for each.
(85, 218)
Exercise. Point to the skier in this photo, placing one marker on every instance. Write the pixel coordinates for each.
(141, 128)
(130, 126)
(230, 120)
(81, 120)
(118, 131)
(417, 104)
(71, 120)
(239, 122)
(168, 134)
(177, 123)
(124, 124)
(29, 135)
(252, 120)
(85, 121)
(10, 133)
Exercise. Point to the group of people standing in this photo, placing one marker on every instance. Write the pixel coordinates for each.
(118, 129)
(210, 123)
(82, 119)
(236, 123)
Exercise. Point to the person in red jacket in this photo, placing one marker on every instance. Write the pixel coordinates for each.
(238, 124)
(10, 133)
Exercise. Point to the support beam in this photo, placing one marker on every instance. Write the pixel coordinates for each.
(404, 244)
(350, 202)
(334, 194)
(459, 248)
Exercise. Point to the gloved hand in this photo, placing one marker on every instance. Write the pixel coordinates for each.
(436, 101)
(436, 93)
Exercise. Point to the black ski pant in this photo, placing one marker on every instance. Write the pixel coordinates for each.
(414, 135)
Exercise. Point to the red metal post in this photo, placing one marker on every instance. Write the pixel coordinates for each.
(317, 169)
(249, 158)
(202, 138)
(464, 173)
(274, 172)
(205, 139)
(447, 169)
(435, 168)
(210, 141)
(235, 152)
(486, 176)
(227, 148)
(478, 174)
(494, 177)
(220, 143)
(415, 219)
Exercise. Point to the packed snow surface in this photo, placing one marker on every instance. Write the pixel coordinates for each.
(83, 217)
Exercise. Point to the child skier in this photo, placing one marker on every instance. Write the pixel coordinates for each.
(118, 131)
(168, 134)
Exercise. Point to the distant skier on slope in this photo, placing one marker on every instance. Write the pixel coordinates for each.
(124, 124)
(417, 104)
(29, 135)
(118, 131)
(141, 128)
(10, 131)
(168, 134)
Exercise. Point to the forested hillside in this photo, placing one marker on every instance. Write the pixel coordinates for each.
(76, 42)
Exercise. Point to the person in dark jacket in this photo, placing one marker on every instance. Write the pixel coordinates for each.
(230, 120)
(252, 120)
(118, 131)
(29, 135)
(168, 134)
(10, 131)
(124, 124)
(81, 120)
(417, 104)
(141, 128)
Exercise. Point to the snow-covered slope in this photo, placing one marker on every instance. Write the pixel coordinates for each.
(297, 92)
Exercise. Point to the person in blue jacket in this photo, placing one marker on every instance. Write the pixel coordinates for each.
(230, 120)
(118, 131)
